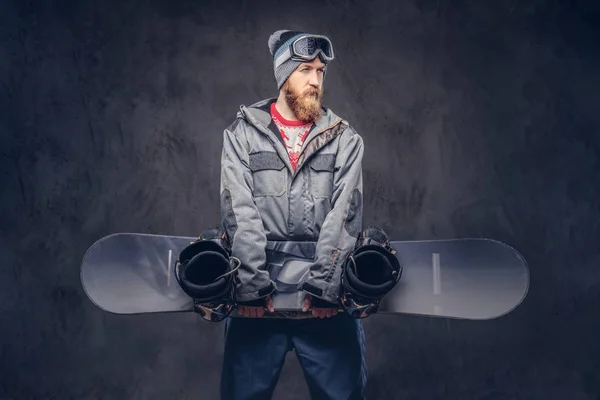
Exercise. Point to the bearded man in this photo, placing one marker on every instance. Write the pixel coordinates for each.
(292, 171)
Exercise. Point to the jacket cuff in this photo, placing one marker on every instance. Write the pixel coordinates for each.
(321, 298)
(253, 303)
(258, 295)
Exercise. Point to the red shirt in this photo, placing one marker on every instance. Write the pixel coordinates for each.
(292, 132)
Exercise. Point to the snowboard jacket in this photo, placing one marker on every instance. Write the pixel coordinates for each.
(263, 199)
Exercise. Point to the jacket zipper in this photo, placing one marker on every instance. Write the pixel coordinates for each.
(298, 167)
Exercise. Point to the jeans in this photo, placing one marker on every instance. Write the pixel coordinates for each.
(331, 353)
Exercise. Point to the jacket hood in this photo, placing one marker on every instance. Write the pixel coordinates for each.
(258, 114)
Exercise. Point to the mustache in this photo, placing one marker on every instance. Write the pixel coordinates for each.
(312, 92)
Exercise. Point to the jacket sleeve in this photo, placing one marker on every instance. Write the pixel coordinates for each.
(240, 218)
(343, 223)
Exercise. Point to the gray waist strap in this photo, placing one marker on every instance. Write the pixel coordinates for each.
(288, 263)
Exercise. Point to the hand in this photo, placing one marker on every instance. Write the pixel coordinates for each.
(319, 312)
(258, 311)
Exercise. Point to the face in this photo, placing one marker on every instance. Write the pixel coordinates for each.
(304, 90)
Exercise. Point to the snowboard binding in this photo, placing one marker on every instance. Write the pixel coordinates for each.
(205, 271)
(369, 273)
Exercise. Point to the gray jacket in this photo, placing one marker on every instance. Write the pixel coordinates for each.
(264, 199)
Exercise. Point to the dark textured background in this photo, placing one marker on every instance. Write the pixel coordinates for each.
(479, 119)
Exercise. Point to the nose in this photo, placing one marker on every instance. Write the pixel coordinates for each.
(314, 79)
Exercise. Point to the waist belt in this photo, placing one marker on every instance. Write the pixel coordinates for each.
(288, 263)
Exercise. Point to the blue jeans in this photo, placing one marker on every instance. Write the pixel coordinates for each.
(331, 353)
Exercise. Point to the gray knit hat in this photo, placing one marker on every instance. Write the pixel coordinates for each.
(278, 42)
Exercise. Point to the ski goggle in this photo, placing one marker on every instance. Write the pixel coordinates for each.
(306, 48)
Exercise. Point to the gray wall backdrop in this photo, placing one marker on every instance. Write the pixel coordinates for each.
(479, 119)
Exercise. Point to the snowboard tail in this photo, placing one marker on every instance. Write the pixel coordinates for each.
(476, 279)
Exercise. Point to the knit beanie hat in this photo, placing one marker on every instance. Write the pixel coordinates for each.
(278, 42)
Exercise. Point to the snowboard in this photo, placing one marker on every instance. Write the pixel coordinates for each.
(471, 278)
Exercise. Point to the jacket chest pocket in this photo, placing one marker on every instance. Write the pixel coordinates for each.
(269, 174)
(321, 175)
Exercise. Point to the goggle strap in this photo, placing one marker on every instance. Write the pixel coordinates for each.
(283, 57)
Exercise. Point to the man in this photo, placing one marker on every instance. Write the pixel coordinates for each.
(292, 170)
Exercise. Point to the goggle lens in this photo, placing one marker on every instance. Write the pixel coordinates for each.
(310, 46)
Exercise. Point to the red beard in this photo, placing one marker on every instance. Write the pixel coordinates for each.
(306, 106)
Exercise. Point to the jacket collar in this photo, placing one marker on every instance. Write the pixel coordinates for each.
(259, 115)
